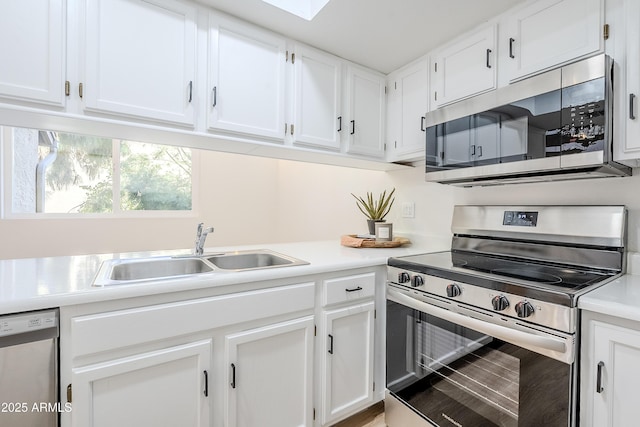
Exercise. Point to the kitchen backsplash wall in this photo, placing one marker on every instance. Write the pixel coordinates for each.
(253, 200)
(434, 202)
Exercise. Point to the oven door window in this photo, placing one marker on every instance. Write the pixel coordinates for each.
(455, 376)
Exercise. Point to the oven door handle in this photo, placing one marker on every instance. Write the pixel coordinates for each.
(520, 338)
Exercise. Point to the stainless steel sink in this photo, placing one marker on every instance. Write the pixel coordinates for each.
(135, 270)
(251, 260)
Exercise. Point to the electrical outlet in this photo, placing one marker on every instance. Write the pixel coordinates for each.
(408, 210)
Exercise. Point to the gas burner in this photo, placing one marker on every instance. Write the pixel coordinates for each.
(528, 274)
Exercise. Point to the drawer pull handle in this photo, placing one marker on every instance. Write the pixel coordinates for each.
(359, 288)
(632, 114)
(206, 384)
(599, 388)
(330, 344)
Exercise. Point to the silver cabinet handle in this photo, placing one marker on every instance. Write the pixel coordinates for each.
(422, 119)
(488, 56)
(353, 127)
(511, 40)
(214, 95)
(340, 124)
(190, 91)
(599, 388)
(632, 98)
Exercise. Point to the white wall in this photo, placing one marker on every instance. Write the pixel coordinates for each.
(603, 191)
(254, 200)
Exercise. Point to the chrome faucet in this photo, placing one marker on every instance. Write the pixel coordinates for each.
(201, 236)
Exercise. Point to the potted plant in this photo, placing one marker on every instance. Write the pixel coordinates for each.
(375, 209)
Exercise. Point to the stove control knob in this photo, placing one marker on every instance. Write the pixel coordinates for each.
(524, 309)
(417, 281)
(404, 277)
(499, 302)
(453, 290)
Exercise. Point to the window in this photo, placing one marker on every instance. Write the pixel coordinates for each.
(64, 173)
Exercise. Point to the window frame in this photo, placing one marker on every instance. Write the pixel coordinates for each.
(6, 188)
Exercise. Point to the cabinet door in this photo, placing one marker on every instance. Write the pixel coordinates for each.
(412, 86)
(247, 71)
(166, 387)
(32, 51)
(623, 47)
(465, 68)
(140, 59)
(366, 102)
(270, 376)
(550, 32)
(617, 351)
(347, 362)
(317, 97)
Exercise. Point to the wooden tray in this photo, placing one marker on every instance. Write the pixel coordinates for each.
(352, 241)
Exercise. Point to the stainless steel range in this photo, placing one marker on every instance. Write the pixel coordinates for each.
(485, 334)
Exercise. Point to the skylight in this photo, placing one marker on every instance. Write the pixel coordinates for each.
(306, 9)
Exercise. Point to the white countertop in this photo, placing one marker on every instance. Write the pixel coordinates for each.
(37, 283)
(620, 298)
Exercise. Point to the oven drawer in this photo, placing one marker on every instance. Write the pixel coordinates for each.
(349, 288)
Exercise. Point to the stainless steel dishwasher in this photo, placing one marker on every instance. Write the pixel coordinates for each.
(29, 369)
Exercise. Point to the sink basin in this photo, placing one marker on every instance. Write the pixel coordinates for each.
(133, 270)
(251, 260)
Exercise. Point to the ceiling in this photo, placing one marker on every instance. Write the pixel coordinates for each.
(380, 34)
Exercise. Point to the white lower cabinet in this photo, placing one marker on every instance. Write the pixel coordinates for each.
(610, 372)
(348, 360)
(270, 381)
(167, 387)
(347, 346)
(289, 355)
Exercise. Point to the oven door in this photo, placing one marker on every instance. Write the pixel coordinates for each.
(453, 375)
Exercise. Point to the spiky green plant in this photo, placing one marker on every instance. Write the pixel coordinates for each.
(375, 209)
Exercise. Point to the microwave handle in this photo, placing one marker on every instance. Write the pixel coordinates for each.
(506, 334)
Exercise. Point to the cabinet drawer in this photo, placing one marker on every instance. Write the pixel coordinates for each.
(348, 288)
(106, 331)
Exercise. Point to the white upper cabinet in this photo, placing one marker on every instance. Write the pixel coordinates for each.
(366, 111)
(547, 33)
(33, 51)
(247, 79)
(623, 17)
(407, 104)
(465, 68)
(140, 59)
(317, 99)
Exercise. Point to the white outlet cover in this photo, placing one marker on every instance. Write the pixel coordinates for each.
(408, 210)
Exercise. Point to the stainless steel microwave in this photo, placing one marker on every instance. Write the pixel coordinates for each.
(553, 126)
